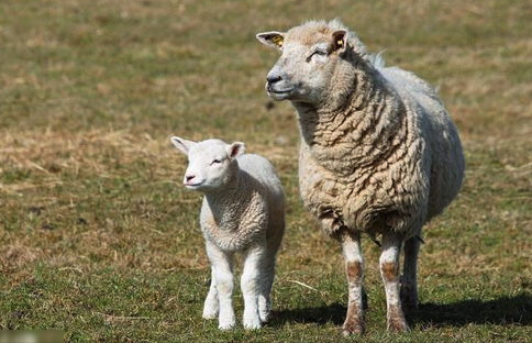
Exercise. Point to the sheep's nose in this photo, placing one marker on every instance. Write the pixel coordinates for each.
(273, 78)
(189, 177)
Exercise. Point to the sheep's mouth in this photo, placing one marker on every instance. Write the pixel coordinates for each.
(279, 91)
(279, 94)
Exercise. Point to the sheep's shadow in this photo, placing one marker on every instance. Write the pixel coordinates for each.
(501, 311)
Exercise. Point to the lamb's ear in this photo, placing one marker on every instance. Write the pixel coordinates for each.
(339, 41)
(236, 149)
(182, 144)
(273, 39)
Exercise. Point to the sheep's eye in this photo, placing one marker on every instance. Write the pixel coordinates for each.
(317, 53)
(216, 161)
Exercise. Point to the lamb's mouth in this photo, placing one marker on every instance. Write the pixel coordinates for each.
(193, 185)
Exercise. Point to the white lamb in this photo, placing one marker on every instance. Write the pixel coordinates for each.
(243, 210)
(379, 154)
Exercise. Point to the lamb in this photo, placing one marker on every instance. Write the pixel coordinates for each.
(243, 210)
(379, 154)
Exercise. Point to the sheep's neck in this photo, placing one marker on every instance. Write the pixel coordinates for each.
(356, 129)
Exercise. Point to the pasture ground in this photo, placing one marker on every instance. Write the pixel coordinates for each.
(98, 237)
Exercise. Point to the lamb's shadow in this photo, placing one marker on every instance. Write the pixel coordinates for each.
(501, 311)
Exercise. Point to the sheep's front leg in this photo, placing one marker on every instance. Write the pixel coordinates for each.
(354, 270)
(389, 267)
(409, 280)
(250, 283)
(222, 267)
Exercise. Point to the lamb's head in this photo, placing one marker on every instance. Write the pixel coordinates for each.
(312, 55)
(211, 163)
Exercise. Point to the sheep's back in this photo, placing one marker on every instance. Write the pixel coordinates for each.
(437, 129)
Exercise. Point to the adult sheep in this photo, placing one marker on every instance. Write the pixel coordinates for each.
(379, 153)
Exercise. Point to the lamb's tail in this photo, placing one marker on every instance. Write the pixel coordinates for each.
(377, 60)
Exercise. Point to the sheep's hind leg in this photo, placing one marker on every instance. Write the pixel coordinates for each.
(354, 269)
(409, 295)
(250, 284)
(211, 307)
(389, 268)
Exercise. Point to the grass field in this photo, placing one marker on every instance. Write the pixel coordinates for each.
(99, 238)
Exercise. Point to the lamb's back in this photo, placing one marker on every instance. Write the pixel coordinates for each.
(261, 170)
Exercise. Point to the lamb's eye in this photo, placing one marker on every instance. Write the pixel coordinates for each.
(216, 161)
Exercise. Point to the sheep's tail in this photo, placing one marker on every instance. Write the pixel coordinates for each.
(377, 60)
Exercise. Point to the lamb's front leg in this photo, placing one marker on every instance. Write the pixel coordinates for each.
(354, 270)
(222, 266)
(389, 267)
(251, 277)
(211, 307)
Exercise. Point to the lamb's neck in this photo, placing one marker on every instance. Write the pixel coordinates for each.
(369, 118)
(229, 202)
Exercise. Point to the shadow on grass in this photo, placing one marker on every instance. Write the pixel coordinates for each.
(334, 313)
(501, 311)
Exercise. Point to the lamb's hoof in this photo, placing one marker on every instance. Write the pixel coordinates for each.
(227, 325)
(210, 315)
(253, 324)
(264, 316)
(353, 328)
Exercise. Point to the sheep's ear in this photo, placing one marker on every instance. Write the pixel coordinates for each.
(236, 149)
(182, 144)
(272, 39)
(339, 40)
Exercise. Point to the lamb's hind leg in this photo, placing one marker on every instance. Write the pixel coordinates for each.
(354, 269)
(389, 267)
(409, 280)
(250, 284)
(267, 272)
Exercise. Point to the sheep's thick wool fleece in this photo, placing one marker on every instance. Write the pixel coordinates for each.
(381, 152)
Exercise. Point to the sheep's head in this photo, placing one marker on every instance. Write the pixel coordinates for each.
(310, 56)
(211, 163)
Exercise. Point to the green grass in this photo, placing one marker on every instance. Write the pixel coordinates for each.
(99, 239)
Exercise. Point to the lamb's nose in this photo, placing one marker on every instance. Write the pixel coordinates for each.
(189, 177)
(273, 78)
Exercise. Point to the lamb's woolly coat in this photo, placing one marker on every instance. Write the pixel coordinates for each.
(242, 211)
(380, 152)
(248, 210)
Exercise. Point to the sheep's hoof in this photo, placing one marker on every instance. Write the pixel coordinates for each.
(353, 328)
(398, 326)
